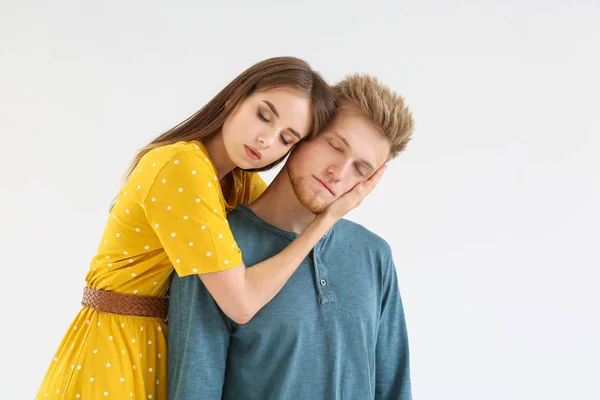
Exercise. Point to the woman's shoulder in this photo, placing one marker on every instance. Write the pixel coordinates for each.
(257, 181)
(252, 186)
(170, 163)
(181, 152)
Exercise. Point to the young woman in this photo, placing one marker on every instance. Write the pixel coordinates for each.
(171, 215)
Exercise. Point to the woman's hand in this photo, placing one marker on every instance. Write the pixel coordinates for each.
(354, 197)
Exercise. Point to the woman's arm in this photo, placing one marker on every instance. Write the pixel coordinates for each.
(241, 292)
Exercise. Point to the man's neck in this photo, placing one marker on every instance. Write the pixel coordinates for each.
(280, 207)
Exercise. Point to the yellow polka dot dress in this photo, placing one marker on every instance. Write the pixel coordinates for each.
(171, 214)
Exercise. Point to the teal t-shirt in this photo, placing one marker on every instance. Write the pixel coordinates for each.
(335, 331)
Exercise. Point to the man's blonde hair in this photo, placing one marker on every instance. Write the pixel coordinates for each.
(383, 107)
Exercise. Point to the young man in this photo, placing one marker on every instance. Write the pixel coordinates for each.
(337, 329)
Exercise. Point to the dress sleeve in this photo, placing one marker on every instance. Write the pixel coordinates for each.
(184, 207)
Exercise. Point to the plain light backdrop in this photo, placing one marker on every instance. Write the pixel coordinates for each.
(492, 211)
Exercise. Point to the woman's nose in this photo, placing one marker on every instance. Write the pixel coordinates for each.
(267, 139)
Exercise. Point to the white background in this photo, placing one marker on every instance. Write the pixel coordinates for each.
(492, 211)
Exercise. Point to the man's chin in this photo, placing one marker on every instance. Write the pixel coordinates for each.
(307, 193)
(311, 201)
(315, 207)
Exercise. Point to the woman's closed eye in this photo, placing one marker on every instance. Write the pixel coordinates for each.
(262, 117)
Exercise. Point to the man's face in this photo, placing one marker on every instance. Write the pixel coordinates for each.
(344, 154)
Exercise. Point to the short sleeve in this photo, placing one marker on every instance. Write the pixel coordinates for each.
(184, 206)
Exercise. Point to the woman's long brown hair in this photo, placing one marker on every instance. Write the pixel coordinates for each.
(268, 74)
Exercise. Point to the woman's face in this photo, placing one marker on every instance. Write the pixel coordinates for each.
(265, 126)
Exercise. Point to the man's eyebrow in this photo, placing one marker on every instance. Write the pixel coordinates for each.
(343, 139)
(274, 109)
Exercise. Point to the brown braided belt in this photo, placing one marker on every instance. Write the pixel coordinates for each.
(125, 304)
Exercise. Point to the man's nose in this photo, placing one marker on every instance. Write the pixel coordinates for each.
(337, 171)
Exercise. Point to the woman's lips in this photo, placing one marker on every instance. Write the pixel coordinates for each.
(252, 152)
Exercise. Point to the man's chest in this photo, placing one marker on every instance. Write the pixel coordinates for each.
(322, 300)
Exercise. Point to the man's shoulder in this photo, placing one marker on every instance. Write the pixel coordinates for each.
(357, 235)
(244, 223)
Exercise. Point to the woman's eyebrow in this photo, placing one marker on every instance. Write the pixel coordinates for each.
(274, 109)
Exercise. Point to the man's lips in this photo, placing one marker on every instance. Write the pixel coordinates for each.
(325, 186)
(252, 152)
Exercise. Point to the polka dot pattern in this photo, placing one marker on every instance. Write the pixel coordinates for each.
(191, 212)
(116, 357)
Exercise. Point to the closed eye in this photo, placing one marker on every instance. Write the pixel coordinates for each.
(360, 172)
(285, 142)
(262, 117)
(336, 148)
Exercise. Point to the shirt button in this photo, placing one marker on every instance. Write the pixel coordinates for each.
(323, 282)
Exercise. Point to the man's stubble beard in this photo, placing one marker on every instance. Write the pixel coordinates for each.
(305, 192)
